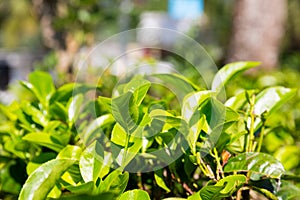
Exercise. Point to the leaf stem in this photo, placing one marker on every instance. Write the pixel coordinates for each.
(205, 168)
(126, 149)
(261, 138)
(219, 166)
(251, 132)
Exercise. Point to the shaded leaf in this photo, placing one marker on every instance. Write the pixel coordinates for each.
(104, 196)
(288, 191)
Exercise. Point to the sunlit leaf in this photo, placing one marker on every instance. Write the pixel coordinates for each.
(74, 107)
(95, 129)
(85, 188)
(135, 195)
(94, 163)
(270, 99)
(44, 139)
(121, 112)
(232, 183)
(192, 101)
(208, 192)
(178, 84)
(228, 71)
(260, 163)
(65, 92)
(115, 182)
(70, 152)
(43, 179)
(158, 176)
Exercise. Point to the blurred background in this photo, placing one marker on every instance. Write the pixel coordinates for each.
(48, 34)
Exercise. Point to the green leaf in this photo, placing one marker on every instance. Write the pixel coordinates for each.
(194, 133)
(228, 71)
(37, 115)
(70, 152)
(260, 163)
(74, 106)
(238, 101)
(192, 101)
(8, 182)
(121, 112)
(158, 176)
(265, 192)
(292, 177)
(104, 196)
(123, 156)
(58, 111)
(232, 183)
(44, 139)
(211, 192)
(223, 188)
(95, 129)
(9, 111)
(41, 85)
(65, 92)
(288, 191)
(39, 160)
(135, 195)
(178, 83)
(115, 182)
(43, 179)
(270, 99)
(85, 188)
(168, 119)
(118, 135)
(105, 103)
(139, 87)
(289, 156)
(94, 163)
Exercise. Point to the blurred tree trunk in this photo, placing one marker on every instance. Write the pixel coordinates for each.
(61, 41)
(258, 28)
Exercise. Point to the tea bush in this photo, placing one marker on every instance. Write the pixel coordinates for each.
(71, 143)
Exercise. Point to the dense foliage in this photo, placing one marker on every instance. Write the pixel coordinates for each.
(186, 144)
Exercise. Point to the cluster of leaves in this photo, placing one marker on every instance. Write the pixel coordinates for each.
(63, 145)
(282, 137)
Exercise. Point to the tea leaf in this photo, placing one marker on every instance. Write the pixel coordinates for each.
(135, 195)
(228, 71)
(260, 163)
(43, 179)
